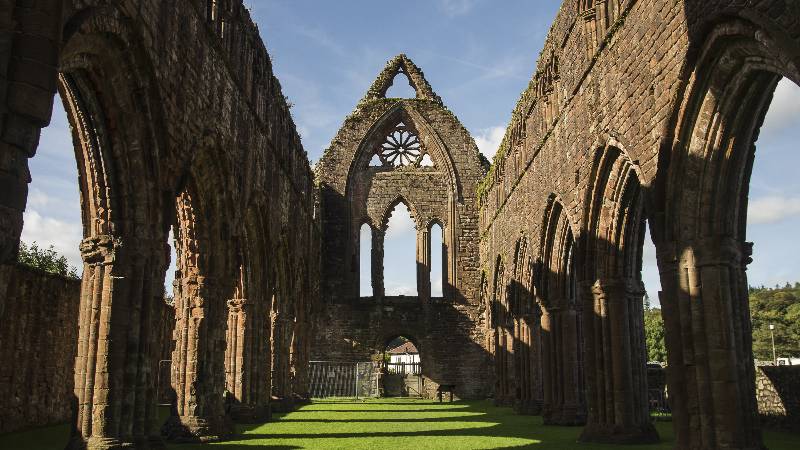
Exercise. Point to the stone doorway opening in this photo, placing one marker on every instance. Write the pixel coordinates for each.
(402, 368)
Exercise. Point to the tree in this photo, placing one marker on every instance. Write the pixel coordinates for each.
(47, 260)
(779, 307)
(654, 334)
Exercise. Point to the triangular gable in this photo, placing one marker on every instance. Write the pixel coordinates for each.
(398, 64)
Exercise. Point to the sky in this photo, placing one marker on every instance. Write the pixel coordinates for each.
(478, 56)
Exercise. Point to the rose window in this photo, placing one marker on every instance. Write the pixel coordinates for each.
(400, 148)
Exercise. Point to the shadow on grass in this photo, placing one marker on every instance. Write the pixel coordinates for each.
(461, 425)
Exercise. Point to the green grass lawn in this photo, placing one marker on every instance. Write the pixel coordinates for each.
(394, 424)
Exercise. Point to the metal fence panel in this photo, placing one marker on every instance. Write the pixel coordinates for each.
(343, 379)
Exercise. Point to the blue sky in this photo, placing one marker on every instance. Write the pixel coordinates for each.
(478, 55)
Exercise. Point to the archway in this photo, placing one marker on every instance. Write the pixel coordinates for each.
(402, 368)
(702, 245)
(124, 248)
(562, 333)
(613, 293)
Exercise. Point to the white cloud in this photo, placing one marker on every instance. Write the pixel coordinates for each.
(772, 209)
(650, 276)
(400, 223)
(37, 198)
(785, 108)
(399, 289)
(173, 261)
(454, 8)
(489, 139)
(62, 235)
(436, 287)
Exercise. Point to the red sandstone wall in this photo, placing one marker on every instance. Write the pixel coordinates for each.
(37, 346)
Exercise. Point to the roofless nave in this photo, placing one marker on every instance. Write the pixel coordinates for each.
(639, 111)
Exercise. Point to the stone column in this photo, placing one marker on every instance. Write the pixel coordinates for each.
(533, 365)
(299, 359)
(424, 265)
(563, 379)
(573, 410)
(258, 381)
(548, 365)
(14, 183)
(117, 351)
(198, 368)
(378, 290)
(512, 362)
(241, 359)
(709, 343)
(29, 58)
(281, 327)
(616, 373)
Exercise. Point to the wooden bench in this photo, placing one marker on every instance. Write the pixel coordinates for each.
(449, 388)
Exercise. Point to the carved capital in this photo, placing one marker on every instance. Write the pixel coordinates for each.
(99, 249)
(715, 251)
(237, 304)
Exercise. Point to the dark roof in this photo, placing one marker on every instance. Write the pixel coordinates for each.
(407, 347)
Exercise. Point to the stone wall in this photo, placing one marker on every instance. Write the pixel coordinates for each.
(191, 134)
(38, 340)
(354, 192)
(634, 114)
(778, 395)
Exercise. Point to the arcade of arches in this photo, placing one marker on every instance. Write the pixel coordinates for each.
(640, 112)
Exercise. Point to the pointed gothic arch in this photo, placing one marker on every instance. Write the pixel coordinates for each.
(562, 340)
(613, 312)
(405, 113)
(700, 231)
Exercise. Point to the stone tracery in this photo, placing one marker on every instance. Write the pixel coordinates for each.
(400, 148)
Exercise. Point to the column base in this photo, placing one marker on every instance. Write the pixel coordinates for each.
(528, 408)
(504, 401)
(617, 434)
(282, 405)
(569, 416)
(101, 443)
(192, 429)
(250, 414)
(300, 400)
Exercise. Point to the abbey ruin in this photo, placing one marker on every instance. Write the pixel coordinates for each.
(640, 112)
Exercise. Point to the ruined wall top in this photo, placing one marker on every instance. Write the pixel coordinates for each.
(240, 42)
(567, 57)
(375, 108)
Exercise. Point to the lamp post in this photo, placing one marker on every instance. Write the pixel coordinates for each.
(772, 333)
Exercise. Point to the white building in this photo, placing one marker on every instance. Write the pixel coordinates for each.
(405, 353)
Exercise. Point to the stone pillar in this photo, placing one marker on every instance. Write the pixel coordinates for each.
(548, 365)
(258, 372)
(31, 38)
(532, 365)
(198, 370)
(117, 344)
(709, 343)
(299, 360)
(378, 290)
(14, 178)
(573, 409)
(280, 341)
(616, 373)
(510, 362)
(563, 379)
(424, 265)
(244, 404)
